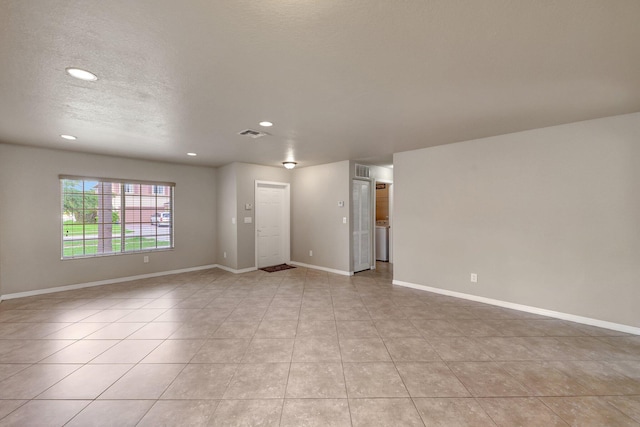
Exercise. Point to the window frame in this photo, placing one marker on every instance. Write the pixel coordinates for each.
(123, 208)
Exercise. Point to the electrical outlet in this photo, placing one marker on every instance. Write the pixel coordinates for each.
(310, 253)
(474, 278)
(224, 254)
(146, 259)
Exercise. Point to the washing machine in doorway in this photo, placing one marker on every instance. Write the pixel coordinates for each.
(382, 243)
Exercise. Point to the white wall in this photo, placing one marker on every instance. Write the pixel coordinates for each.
(379, 173)
(30, 218)
(317, 218)
(548, 218)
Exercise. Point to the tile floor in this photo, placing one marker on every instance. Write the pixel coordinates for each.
(303, 348)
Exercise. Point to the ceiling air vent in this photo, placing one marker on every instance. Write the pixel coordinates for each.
(252, 133)
(362, 171)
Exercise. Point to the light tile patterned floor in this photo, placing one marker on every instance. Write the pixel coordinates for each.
(303, 348)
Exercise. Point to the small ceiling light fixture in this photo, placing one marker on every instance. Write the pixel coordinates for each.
(69, 137)
(81, 74)
(266, 124)
(289, 165)
(192, 154)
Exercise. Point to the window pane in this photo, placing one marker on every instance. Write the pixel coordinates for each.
(164, 242)
(91, 246)
(131, 188)
(73, 248)
(163, 203)
(115, 244)
(133, 216)
(96, 214)
(132, 244)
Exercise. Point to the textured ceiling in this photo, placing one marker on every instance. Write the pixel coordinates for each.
(340, 79)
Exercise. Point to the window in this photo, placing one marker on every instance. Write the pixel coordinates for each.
(107, 217)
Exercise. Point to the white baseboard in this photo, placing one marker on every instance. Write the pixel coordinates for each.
(146, 276)
(234, 271)
(102, 282)
(149, 275)
(520, 307)
(317, 267)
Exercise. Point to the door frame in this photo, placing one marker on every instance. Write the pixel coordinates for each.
(286, 218)
(391, 187)
(372, 221)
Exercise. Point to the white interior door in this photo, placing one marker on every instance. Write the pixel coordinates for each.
(362, 225)
(272, 224)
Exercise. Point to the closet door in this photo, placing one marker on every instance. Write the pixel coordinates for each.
(362, 225)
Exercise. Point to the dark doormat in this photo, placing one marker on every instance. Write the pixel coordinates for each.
(274, 268)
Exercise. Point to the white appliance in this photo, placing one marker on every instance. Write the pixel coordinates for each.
(382, 243)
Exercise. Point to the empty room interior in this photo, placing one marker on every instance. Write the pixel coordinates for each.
(314, 213)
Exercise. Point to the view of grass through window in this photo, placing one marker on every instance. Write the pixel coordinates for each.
(104, 217)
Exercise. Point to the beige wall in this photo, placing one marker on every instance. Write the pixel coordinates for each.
(227, 209)
(236, 188)
(247, 174)
(548, 218)
(30, 218)
(317, 218)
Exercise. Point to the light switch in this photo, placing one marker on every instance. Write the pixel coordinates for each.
(233, 220)
(344, 219)
(248, 207)
(248, 220)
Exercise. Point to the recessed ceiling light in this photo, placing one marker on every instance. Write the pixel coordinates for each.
(192, 154)
(289, 165)
(81, 74)
(266, 124)
(69, 137)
